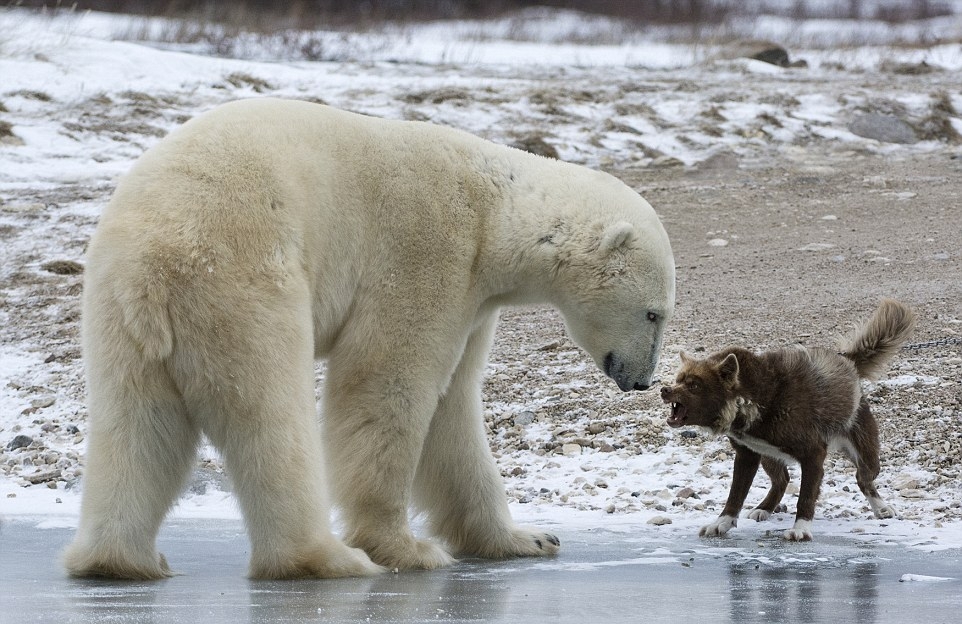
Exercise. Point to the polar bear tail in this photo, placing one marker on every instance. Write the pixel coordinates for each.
(147, 318)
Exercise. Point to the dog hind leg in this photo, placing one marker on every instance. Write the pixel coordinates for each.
(865, 443)
(812, 472)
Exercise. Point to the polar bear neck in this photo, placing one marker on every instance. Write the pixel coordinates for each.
(550, 213)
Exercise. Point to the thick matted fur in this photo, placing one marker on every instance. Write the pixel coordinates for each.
(266, 234)
(792, 405)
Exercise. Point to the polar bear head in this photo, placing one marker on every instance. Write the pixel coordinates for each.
(615, 287)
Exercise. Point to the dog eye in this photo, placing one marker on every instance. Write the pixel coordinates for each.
(652, 317)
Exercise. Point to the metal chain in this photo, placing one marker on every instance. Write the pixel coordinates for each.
(942, 342)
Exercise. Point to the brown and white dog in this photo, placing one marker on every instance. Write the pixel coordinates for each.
(789, 405)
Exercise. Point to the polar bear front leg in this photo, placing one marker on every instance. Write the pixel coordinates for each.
(458, 483)
(374, 429)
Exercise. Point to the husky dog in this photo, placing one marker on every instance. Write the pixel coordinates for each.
(792, 405)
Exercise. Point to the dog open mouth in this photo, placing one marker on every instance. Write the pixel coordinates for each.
(679, 413)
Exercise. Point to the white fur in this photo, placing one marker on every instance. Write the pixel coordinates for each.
(800, 532)
(762, 447)
(721, 526)
(759, 515)
(880, 508)
(268, 233)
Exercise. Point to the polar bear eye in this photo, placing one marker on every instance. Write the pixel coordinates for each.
(652, 317)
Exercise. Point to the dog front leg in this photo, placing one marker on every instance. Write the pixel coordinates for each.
(746, 465)
(812, 471)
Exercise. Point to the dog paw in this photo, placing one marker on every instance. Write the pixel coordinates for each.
(801, 532)
(759, 515)
(880, 509)
(719, 527)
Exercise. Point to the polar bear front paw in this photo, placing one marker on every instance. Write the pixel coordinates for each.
(801, 532)
(528, 542)
(719, 527)
(759, 515)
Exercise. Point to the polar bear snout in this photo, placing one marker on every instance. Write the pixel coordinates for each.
(618, 369)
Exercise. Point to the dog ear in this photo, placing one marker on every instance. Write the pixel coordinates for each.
(728, 369)
(685, 358)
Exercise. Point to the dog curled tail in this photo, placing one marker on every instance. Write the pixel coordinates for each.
(874, 343)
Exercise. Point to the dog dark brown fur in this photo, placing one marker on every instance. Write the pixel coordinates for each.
(792, 405)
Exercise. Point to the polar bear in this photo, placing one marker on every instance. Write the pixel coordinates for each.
(266, 234)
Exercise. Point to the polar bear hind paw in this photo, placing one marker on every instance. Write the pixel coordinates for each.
(79, 566)
(320, 562)
(408, 554)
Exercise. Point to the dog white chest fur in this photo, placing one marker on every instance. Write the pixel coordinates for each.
(268, 233)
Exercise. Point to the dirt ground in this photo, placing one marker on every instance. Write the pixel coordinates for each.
(795, 250)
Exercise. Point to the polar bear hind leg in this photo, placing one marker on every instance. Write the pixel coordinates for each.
(458, 483)
(140, 451)
(252, 391)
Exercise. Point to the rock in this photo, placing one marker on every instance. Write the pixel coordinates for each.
(686, 492)
(758, 50)
(660, 520)
(63, 267)
(571, 450)
(536, 144)
(689, 434)
(43, 402)
(43, 477)
(524, 418)
(884, 128)
(904, 482)
(596, 427)
(21, 441)
(718, 242)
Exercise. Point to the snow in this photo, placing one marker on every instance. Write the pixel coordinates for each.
(56, 69)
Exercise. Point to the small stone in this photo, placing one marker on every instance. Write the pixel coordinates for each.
(63, 267)
(571, 450)
(904, 482)
(689, 434)
(660, 520)
(718, 242)
(43, 402)
(43, 477)
(686, 492)
(883, 128)
(524, 418)
(596, 427)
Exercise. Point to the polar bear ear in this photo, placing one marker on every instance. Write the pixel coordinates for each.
(616, 236)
